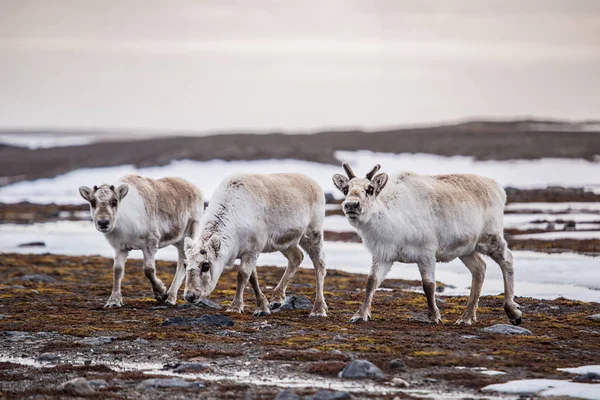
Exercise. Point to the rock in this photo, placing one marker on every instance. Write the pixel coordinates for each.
(227, 332)
(98, 383)
(469, 336)
(397, 365)
(329, 198)
(141, 341)
(191, 367)
(295, 302)
(399, 382)
(361, 369)
(595, 317)
(570, 226)
(77, 386)
(158, 308)
(203, 302)
(97, 341)
(204, 320)
(33, 244)
(48, 357)
(589, 377)
(430, 380)
(328, 395)
(504, 329)
(164, 383)
(34, 278)
(87, 363)
(287, 395)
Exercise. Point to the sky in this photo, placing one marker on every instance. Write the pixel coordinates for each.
(224, 65)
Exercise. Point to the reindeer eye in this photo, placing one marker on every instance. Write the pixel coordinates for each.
(370, 190)
(345, 191)
(93, 203)
(203, 252)
(113, 202)
(185, 265)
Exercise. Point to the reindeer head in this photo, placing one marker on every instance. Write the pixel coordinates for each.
(360, 193)
(104, 204)
(204, 267)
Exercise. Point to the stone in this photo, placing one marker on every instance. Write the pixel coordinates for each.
(33, 244)
(295, 302)
(98, 383)
(361, 369)
(595, 317)
(399, 382)
(204, 320)
(34, 278)
(328, 395)
(397, 365)
(191, 367)
(287, 395)
(505, 329)
(78, 386)
(165, 383)
(97, 341)
(48, 357)
(203, 302)
(589, 377)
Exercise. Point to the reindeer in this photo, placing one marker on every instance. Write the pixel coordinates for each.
(251, 214)
(423, 219)
(145, 214)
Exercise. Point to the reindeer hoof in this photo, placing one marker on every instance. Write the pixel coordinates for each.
(317, 314)
(464, 322)
(359, 318)
(171, 302)
(114, 301)
(161, 297)
(262, 313)
(516, 321)
(235, 310)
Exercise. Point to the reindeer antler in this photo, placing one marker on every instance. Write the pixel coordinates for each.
(371, 174)
(348, 170)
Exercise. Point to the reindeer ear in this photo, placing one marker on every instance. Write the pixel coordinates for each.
(215, 243)
(188, 243)
(379, 182)
(86, 193)
(122, 190)
(340, 181)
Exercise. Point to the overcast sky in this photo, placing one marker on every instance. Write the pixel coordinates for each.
(224, 65)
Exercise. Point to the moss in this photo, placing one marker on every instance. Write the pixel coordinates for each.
(431, 353)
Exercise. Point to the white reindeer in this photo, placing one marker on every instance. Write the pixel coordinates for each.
(145, 214)
(422, 219)
(251, 214)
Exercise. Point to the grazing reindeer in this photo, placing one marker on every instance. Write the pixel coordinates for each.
(251, 214)
(145, 214)
(422, 219)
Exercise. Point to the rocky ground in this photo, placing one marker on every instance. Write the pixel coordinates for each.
(54, 329)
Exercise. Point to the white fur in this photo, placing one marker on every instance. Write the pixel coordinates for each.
(423, 219)
(141, 223)
(253, 214)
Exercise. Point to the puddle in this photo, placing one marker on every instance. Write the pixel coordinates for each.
(553, 387)
(240, 376)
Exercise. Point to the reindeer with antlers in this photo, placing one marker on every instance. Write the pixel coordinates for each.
(423, 219)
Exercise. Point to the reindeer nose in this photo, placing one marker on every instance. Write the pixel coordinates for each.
(351, 206)
(103, 223)
(190, 297)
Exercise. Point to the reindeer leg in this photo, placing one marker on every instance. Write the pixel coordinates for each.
(379, 270)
